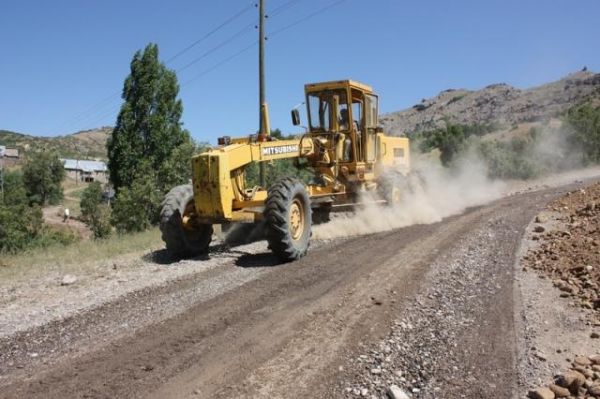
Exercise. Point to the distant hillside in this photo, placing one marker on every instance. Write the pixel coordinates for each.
(89, 144)
(498, 104)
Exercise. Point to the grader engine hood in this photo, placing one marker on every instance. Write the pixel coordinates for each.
(219, 187)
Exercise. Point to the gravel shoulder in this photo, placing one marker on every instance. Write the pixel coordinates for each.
(557, 285)
(456, 336)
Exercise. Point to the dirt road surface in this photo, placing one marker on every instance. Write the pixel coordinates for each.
(253, 328)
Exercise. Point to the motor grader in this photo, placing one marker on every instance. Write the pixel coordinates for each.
(343, 147)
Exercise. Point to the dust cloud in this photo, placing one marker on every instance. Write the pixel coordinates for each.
(431, 194)
(556, 150)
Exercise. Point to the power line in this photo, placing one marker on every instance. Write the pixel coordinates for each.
(111, 112)
(217, 47)
(220, 63)
(85, 114)
(102, 104)
(241, 51)
(212, 32)
(307, 17)
(282, 8)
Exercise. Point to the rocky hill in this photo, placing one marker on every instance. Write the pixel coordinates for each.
(498, 104)
(88, 144)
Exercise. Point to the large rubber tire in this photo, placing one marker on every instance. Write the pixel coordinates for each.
(287, 207)
(389, 188)
(182, 242)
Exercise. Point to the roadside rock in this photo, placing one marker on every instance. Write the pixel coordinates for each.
(541, 393)
(595, 390)
(395, 392)
(559, 391)
(573, 380)
(68, 279)
(582, 361)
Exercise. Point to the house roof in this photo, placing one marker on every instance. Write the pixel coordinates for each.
(85, 166)
(11, 152)
(2, 149)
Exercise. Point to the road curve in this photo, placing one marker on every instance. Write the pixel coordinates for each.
(286, 332)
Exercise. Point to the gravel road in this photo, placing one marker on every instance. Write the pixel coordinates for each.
(428, 307)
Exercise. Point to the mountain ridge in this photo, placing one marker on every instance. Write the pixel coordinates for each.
(498, 103)
(85, 144)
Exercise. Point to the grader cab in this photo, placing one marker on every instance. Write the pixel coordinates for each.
(344, 148)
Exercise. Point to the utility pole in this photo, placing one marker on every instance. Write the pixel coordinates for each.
(261, 77)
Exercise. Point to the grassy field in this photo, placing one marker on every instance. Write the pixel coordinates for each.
(76, 257)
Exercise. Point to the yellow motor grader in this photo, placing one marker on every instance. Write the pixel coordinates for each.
(343, 147)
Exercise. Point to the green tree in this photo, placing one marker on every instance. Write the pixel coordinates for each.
(20, 224)
(148, 126)
(14, 189)
(137, 207)
(91, 198)
(177, 168)
(42, 175)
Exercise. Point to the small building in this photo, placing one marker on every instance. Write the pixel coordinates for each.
(87, 171)
(11, 153)
(2, 151)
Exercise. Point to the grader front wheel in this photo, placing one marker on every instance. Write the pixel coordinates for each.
(288, 219)
(182, 237)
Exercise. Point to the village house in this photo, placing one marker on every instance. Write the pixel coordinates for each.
(84, 170)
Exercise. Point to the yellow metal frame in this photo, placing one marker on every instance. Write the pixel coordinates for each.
(220, 192)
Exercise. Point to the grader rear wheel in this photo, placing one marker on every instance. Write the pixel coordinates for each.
(288, 219)
(182, 240)
(390, 186)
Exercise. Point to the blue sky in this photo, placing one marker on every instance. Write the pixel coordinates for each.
(64, 61)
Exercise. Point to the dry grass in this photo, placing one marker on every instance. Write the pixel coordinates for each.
(75, 258)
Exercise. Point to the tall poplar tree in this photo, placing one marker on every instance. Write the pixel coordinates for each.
(148, 130)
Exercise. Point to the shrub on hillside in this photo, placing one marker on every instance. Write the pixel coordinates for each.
(507, 160)
(20, 223)
(100, 222)
(583, 123)
(91, 198)
(94, 213)
(19, 227)
(136, 208)
(450, 140)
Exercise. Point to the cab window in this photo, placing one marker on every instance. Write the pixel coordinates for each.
(320, 106)
(371, 111)
(357, 113)
(371, 126)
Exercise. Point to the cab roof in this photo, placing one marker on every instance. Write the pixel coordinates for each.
(336, 84)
